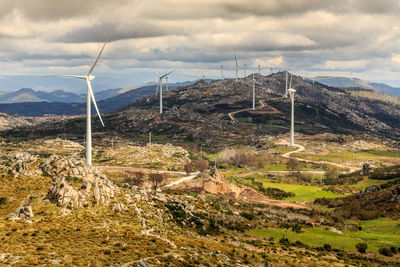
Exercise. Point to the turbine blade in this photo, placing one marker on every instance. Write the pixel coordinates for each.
(167, 74)
(290, 84)
(94, 100)
(236, 61)
(68, 76)
(258, 82)
(155, 73)
(97, 59)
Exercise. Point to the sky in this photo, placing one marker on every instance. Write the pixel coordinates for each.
(352, 38)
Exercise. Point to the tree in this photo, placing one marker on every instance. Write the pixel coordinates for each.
(200, 164)
(157, 178)
(134, 178)
(361, 247)
(188, 167)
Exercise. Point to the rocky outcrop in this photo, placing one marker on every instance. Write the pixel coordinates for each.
(22, 164)
(395, 194)
(68, 167)
(75, 184)
(369, 189)
(367, 168)
(21, 213)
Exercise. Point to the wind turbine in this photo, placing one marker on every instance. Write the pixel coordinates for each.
(89, 98)
(236, 67)
(160, 87)
(254, 91)
(286, 83)
(291, 93)
(259, 69)
(222, 71)
(245, 70)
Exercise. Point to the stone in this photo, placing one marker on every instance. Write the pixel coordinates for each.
(21, 213)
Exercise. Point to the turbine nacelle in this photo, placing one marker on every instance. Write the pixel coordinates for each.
(90, 77)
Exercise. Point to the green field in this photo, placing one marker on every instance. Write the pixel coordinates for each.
(376, 233)
(304, 193)
(360, 157)
(368, 182)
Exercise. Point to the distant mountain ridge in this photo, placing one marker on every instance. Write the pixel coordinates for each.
(107, 101)
(346, 82)
(28, 95)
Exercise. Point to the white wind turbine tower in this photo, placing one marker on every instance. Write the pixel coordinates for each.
(160, 87)
(222, 71)
(254, 92)
(89, 98)
(245, 70)
(236, 67)
(291, 93)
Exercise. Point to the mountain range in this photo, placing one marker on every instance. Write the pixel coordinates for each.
(202, 113)
(63, 103)
(345, 82)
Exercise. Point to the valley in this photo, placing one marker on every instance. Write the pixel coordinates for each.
(218, 184)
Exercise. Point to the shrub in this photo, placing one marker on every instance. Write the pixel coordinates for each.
(361, 247)
(3, 200)
(292, 164)
(327, 247)
(247, 215)
(296, 228)
(386, 252)
(284, 241)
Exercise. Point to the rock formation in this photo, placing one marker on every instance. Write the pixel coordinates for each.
(75, 184)
(21, 213)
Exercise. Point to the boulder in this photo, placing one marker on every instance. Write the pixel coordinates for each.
(21, 213)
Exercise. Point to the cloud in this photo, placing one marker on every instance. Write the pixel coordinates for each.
(306, 35)
(269, 62)
(345, 65)
(396, 58)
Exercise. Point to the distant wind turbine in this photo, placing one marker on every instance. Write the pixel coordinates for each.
(236, 67)
(159, 87)
(245, 70)
(222, 71)
(254, 92)
(291, 93)
(259, 69)
(89, 98)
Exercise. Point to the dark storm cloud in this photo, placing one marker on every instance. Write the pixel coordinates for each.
(112, 31)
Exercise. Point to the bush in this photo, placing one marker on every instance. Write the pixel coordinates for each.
(327, 247)
(3, 200)
(386, 252)
(292, 164)
(361, 247)
(284, 241)
(237, 158)
(247, 215)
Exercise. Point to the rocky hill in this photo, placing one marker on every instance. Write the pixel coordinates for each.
(200, 113)
(355, 82)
